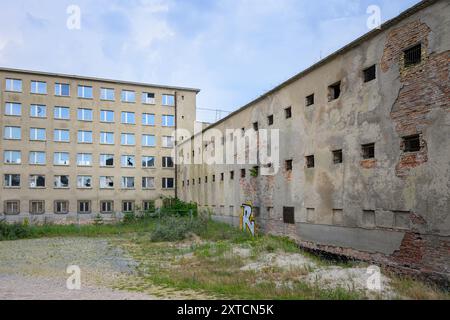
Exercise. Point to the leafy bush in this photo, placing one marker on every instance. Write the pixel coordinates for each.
(173, 206)
(130, 218)
(14, 231)
(172, 228)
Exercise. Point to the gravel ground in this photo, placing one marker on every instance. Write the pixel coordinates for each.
(36, 269)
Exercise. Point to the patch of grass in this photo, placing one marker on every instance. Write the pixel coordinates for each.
(417, 290)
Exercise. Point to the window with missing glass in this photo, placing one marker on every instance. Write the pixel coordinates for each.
(11, 180)
(84, 182)
(106, 160)
(168, 183)
(37, 181)
(128, 161)
(61, 182)
(148, 98)
(106, 182)
(168, 162)
(148, 162)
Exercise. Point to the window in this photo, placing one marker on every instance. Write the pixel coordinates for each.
(14, 85)
(12, 157)
(148, 119)
(128, 96)
(337, 156)
(148, 98)
(106, 182)
(148, 183)
(106, 138)
(334, 91)
(370, 73)
(289, 215)
(288, 112)
(128, 161)
(60, 135)
(167, 142)
(84, 207)
(85, 115)
(255, 126)
(168, 162)
(61, 113)
(148, 162)
(148, 205)
(106, 160)
(13, 109)
(37, 134)
(222, 176)
(107, 116)
(168, 183)
(38, 111)
(127, 206)
(85, 92)
(413, 56)
(12, 133)
(148, 140)
(61, 207)
(84, 159)
(128, 118)
(368, 151)
(288, 165)
(37, 181)
(127, 182)
(411, 143)
(61, 158)
(12, 207)
(12, 180)
(243, 173)
(310, 162)
(310, 100)
(37, 158)
(168, 100)
(107, 94)
(84, 182)
(61, 182)
(38, 87)
(128, 139)
(206, 179)
(106, 206)
(37, 207)
(62, 89)
(84, 136)
(168, 121)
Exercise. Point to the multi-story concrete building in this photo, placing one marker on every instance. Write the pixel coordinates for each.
(364, 150)
(73, 147)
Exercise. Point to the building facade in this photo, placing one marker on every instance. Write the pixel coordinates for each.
(364, 151)
(74, 147)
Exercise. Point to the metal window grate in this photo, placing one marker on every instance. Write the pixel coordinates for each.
(289, 215)
(413, 55)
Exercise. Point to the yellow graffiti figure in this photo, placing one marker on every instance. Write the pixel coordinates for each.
(247, 219)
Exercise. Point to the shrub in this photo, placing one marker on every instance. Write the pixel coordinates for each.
(173, 206)
(14, 231)
(129, 218)
(173, 228)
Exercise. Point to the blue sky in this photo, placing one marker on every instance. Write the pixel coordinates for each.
(234, 50)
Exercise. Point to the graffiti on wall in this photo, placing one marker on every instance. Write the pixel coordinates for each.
(247, 219)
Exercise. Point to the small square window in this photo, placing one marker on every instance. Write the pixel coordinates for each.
(370, 73)
(288, 112)
(270, 120)
(310, 100)
(337, 156)
(368, 151)
(289, 215)
(288, 165)
(255, 126)
(310, 162)
(411, 143)
(413, 56)
(334, 91)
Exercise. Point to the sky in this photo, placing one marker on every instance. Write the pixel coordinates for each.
(233, 50)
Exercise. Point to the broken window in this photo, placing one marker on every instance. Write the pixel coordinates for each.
(289, 215)
(199, 180)
(310, 100)
(222, 176)
(270, 120)
(370, 73)
(337, 156)
(411, 143)
(310, 163)
(243, 173)
(334, 91)
(288, 112)
(368, 151)
(413, 55)
(231, 175)
(288, 165)
(214, 178)
(206, 179)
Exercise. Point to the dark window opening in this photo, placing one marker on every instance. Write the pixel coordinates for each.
(370, 73)
(231, 175)
(199, 180)
(206, 179)
(289, 215)
(337, 156)
(310, 100)
(310, 163)
(288, 165)
(288, 112)
(222, 176)
(368, 151)
(255, 126)
(413, 55)
(243, 173)
(270, 120)
(214, 178)
(334, 91)
(411, 143)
